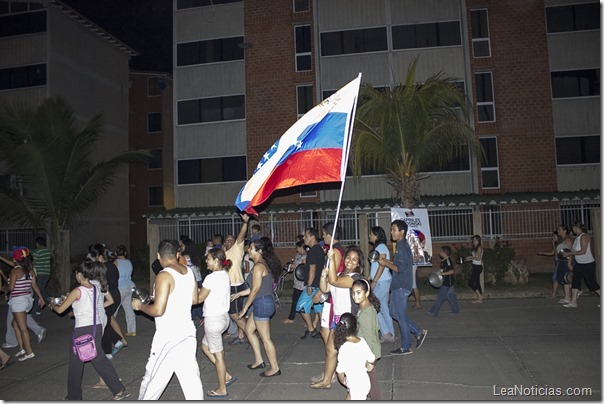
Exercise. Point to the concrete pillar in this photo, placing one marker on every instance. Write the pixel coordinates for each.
(153, 234)
(364, 240)
(64, 263)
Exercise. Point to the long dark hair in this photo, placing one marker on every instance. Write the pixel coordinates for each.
(356, 249)
(26, 264)
(264, 246)
(94, 271)
(346, 327)
(363, 284)
(380, 235)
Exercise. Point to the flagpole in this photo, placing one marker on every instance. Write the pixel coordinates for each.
(345, 157)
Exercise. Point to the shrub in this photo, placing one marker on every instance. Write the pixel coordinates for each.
(498, 258)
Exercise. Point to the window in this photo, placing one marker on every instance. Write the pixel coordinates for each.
(489, 164)
(485, 102)
(156, 195)
(457, 163)
(155, 161)
(578, 17)
(211, 109)
(211, 51)
(154, 122)
(576, 83)
(23, 76)
(303, 55)
(23, 24)
(155, 86)
(578, 150)
(481, 44)
(304, 97)
(301, 6)
(184, 4)
(353, 41)
(426, 35)
(308, 194)
(219, 169)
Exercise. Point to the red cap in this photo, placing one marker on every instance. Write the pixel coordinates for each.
(20, 253)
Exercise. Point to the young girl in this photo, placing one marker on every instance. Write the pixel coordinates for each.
(367, 318)
(215, 292)
(476, 259)
(90, 277)
(354, 358)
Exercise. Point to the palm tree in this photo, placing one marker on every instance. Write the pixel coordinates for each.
(411, 126)
(52, 160)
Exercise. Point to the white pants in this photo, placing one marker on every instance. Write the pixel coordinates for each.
(169, 356)
(126, 303)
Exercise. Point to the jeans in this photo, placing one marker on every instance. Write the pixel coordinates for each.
(41, 280)
(445, 293)
(126, 303)
(382, 292)
(398, 311)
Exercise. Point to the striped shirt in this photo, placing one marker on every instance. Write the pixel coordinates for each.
(42, 258)
(22, 287)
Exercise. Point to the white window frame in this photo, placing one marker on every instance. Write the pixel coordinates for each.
(483, 169)
(302, 53)
(480, 103)
(487, 39)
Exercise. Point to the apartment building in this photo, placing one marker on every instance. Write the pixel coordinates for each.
(49, 50)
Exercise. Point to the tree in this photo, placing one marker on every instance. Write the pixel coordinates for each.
(414, 125)
(52, 160)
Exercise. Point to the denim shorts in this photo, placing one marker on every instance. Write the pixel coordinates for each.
(21, 303)
(264, 308)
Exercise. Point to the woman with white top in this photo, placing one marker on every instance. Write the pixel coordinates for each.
(380, 283)
(585, 264)
(90, 276)
(125, 285)
(476, 258)
(215, 292)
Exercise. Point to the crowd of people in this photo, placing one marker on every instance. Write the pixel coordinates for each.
(352, 310)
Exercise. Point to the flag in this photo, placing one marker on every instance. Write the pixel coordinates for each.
(313, 150)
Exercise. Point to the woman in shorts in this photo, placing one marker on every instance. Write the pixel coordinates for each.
(266, 268)
(215, 292)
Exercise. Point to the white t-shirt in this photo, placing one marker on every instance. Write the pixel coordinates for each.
(219, 300)
(351, 361)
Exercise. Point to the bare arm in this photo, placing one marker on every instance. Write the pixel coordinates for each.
(256, 283)
(34, 286)
(241, 236)
(108, 300)
(7, 262)
(71, 297)
(202, 295)
(379, 272)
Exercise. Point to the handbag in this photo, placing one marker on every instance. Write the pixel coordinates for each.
(84, 346)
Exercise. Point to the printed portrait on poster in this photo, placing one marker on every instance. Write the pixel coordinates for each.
(418, 235)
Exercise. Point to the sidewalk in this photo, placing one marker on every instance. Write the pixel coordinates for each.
(497, 345)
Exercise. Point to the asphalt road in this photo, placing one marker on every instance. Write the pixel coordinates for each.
(525, 349)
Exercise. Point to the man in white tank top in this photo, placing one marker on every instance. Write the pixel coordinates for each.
(174, 343)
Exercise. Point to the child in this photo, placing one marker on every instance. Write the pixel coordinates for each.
(354, 358)
(447, 290)
(367, 318)
(90, 276)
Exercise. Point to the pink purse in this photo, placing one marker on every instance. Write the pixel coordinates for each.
(84, 346)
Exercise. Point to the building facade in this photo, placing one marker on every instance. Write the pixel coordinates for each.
(247, 72)
(40, 59)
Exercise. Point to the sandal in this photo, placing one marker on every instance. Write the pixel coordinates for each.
(99, 386)
(212, 393)
(5, 364)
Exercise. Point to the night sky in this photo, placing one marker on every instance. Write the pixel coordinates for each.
(143, 25)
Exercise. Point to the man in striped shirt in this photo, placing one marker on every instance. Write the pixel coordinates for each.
(42, 257)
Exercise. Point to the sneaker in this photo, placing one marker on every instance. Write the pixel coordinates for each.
(26, 357)
(430, 313)
(563, 301)
(315, 334)
(41, 335)
(109, 356)
(6, 345)
(118, 347)
(570, 305)
(237, 341)
(387, 338)
(579, 293)
(121, 395)
(20, 353)
(401, 351)
(306, 334)
(421, 339)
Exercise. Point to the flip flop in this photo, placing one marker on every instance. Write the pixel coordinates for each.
(212, 393)
(7, 363)
(231, 381)
(99, 386)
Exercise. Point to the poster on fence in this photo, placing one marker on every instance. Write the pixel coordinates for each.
(418, 234)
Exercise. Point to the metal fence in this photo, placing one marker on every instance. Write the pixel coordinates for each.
(504, 221)
(18, 237)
